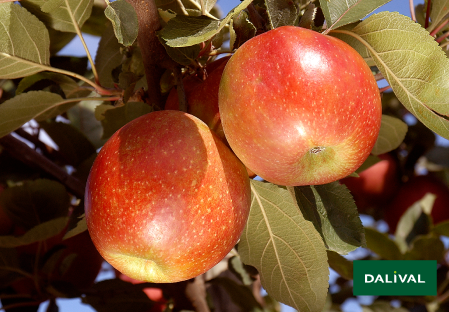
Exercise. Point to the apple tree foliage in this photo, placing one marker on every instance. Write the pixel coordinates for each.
(294, 234)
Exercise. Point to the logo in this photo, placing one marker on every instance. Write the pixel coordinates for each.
(395, 277)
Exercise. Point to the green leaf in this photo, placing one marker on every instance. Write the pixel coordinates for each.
(241, 295)
(24, 107)
(392, 133)
(67, 84)
(417, 73)
(415, 220)
(442, 228)
(281, 12)
(38, 233)
(426, 248)
(340, 264)
(72, 144)
(308, 17)
(382, 245)
(82, 116)
(80, 227)
(117, 117)
(343, 12)
(440, 9)
(58, 14)
(241, 30)
(108, 57)
(285, 248)
(370, 161)
(24, 42)
(331, 209)
(185, 31)
(237, 267)
(34, 202)
(185, 55)
(124, 20)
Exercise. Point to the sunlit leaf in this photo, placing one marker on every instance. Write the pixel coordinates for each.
(58, 15)
(417, 73)
(331, 208)
(281, 12)
(392, 133)
(24, 42)
(285, 248)
(342, 12)
(24, 107)
(124, 20)
(184, 31)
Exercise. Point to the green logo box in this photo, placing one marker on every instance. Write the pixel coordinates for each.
(395, 278)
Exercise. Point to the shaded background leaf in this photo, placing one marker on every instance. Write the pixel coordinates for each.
(391, 135)
(24, 42)
(285, 248)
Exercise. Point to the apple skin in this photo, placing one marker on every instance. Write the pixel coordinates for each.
(202, 96)
(376, 185)
(166, 199)
(414, 190)
(299, 107)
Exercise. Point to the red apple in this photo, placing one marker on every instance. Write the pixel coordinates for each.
(202, 96)
(376, 185)
(299, 107)
(414, 190)
(166, 199)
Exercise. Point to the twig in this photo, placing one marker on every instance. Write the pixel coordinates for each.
(155, 58)
(412, 10)
(426, 23)
(436, 30)
(442, 37)
(29, 156)
(381, 90)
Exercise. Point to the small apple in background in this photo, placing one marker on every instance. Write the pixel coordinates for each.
(414, 190)
(202, 96)
(376, 185)
(166, 199)
(306, 110)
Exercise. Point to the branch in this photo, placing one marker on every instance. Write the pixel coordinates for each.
(29, 156)
(155, 58)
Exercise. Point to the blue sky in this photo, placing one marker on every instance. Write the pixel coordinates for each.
(75, 49)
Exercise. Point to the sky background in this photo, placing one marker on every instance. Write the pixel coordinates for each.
(75, 49)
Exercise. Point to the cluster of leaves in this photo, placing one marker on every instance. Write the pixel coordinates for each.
(294, 234)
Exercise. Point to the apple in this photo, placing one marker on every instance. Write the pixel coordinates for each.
(202, 96)
(414, 190)
(166, 199)
(376, 185)
(299, 107)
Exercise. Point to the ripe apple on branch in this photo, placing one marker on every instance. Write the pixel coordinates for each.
(168, 195)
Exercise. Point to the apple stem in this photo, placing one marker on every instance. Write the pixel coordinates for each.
(182, 99)
(412, 10)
